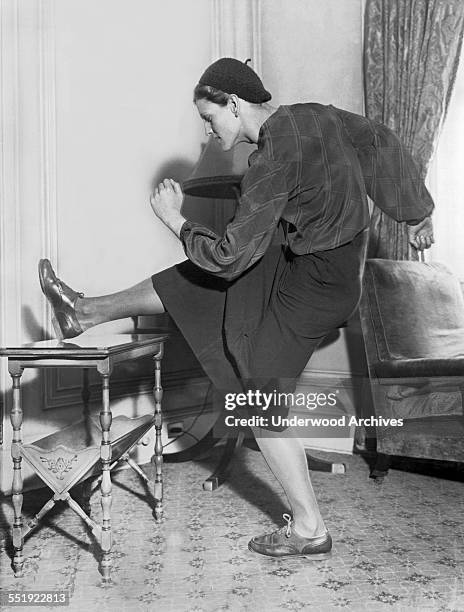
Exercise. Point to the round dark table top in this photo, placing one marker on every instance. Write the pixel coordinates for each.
(225, 187)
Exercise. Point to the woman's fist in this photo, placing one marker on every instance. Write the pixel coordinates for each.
(166, 202)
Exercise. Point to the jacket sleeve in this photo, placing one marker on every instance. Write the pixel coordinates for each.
(263, 198)
(390, 173)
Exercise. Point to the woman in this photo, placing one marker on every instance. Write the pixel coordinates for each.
(252, 310)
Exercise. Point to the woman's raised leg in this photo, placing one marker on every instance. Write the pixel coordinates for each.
(72, 313)
(141, 299)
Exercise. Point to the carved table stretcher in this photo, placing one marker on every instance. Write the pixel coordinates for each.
(93, 446)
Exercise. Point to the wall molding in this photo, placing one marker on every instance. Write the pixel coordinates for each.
(48, 170)
(63, 395)
(236, 31)
(256, 37)
(313, 375)
(10, 214)
(48, 145)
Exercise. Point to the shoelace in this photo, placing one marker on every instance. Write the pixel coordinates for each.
(288, 529)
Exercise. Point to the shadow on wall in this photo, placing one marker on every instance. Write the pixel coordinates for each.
(33, 327)
(200, 210)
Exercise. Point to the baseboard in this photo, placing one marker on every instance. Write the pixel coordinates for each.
(331, 431)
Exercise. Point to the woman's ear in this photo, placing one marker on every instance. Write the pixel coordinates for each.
(234, 104)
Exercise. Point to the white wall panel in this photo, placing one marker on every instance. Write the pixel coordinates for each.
(312, 51)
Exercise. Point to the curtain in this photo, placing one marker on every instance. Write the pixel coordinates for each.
(411, 55)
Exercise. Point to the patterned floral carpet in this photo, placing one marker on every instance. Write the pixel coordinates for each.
(397, 547)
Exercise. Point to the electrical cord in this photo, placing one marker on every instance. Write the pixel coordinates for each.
(187, 431)
(184, 433)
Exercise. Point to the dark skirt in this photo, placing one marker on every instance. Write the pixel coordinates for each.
(259, 331)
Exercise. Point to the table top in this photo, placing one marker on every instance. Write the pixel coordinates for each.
(224, 187)
(83, 346)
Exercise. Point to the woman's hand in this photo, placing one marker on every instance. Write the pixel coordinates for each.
(421, 235)
(166, 202)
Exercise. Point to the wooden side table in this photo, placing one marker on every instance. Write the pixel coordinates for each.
(92, 446)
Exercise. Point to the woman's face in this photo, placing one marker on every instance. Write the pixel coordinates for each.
(221, 122)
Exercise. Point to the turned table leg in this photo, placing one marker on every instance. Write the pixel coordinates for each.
(105, 486)
(16, 418)
(85, 395)
(158, 456)
(86, 486)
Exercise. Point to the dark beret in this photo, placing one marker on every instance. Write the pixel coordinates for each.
(234, 77)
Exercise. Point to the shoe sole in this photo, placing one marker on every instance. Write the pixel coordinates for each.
(42, 285)
(56, 326)
(314, 556)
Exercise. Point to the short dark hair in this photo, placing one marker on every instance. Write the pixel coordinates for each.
(206, 92)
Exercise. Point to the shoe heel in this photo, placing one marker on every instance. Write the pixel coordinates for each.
(57, 328)
(319, 556)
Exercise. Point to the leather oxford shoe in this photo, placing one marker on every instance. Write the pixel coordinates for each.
(62, 300)
(285, 542)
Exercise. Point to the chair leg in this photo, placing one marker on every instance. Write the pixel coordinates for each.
(382, 465)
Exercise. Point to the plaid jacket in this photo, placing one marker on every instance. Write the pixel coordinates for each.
(313, 167)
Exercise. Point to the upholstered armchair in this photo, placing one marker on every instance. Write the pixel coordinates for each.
(412, 318)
